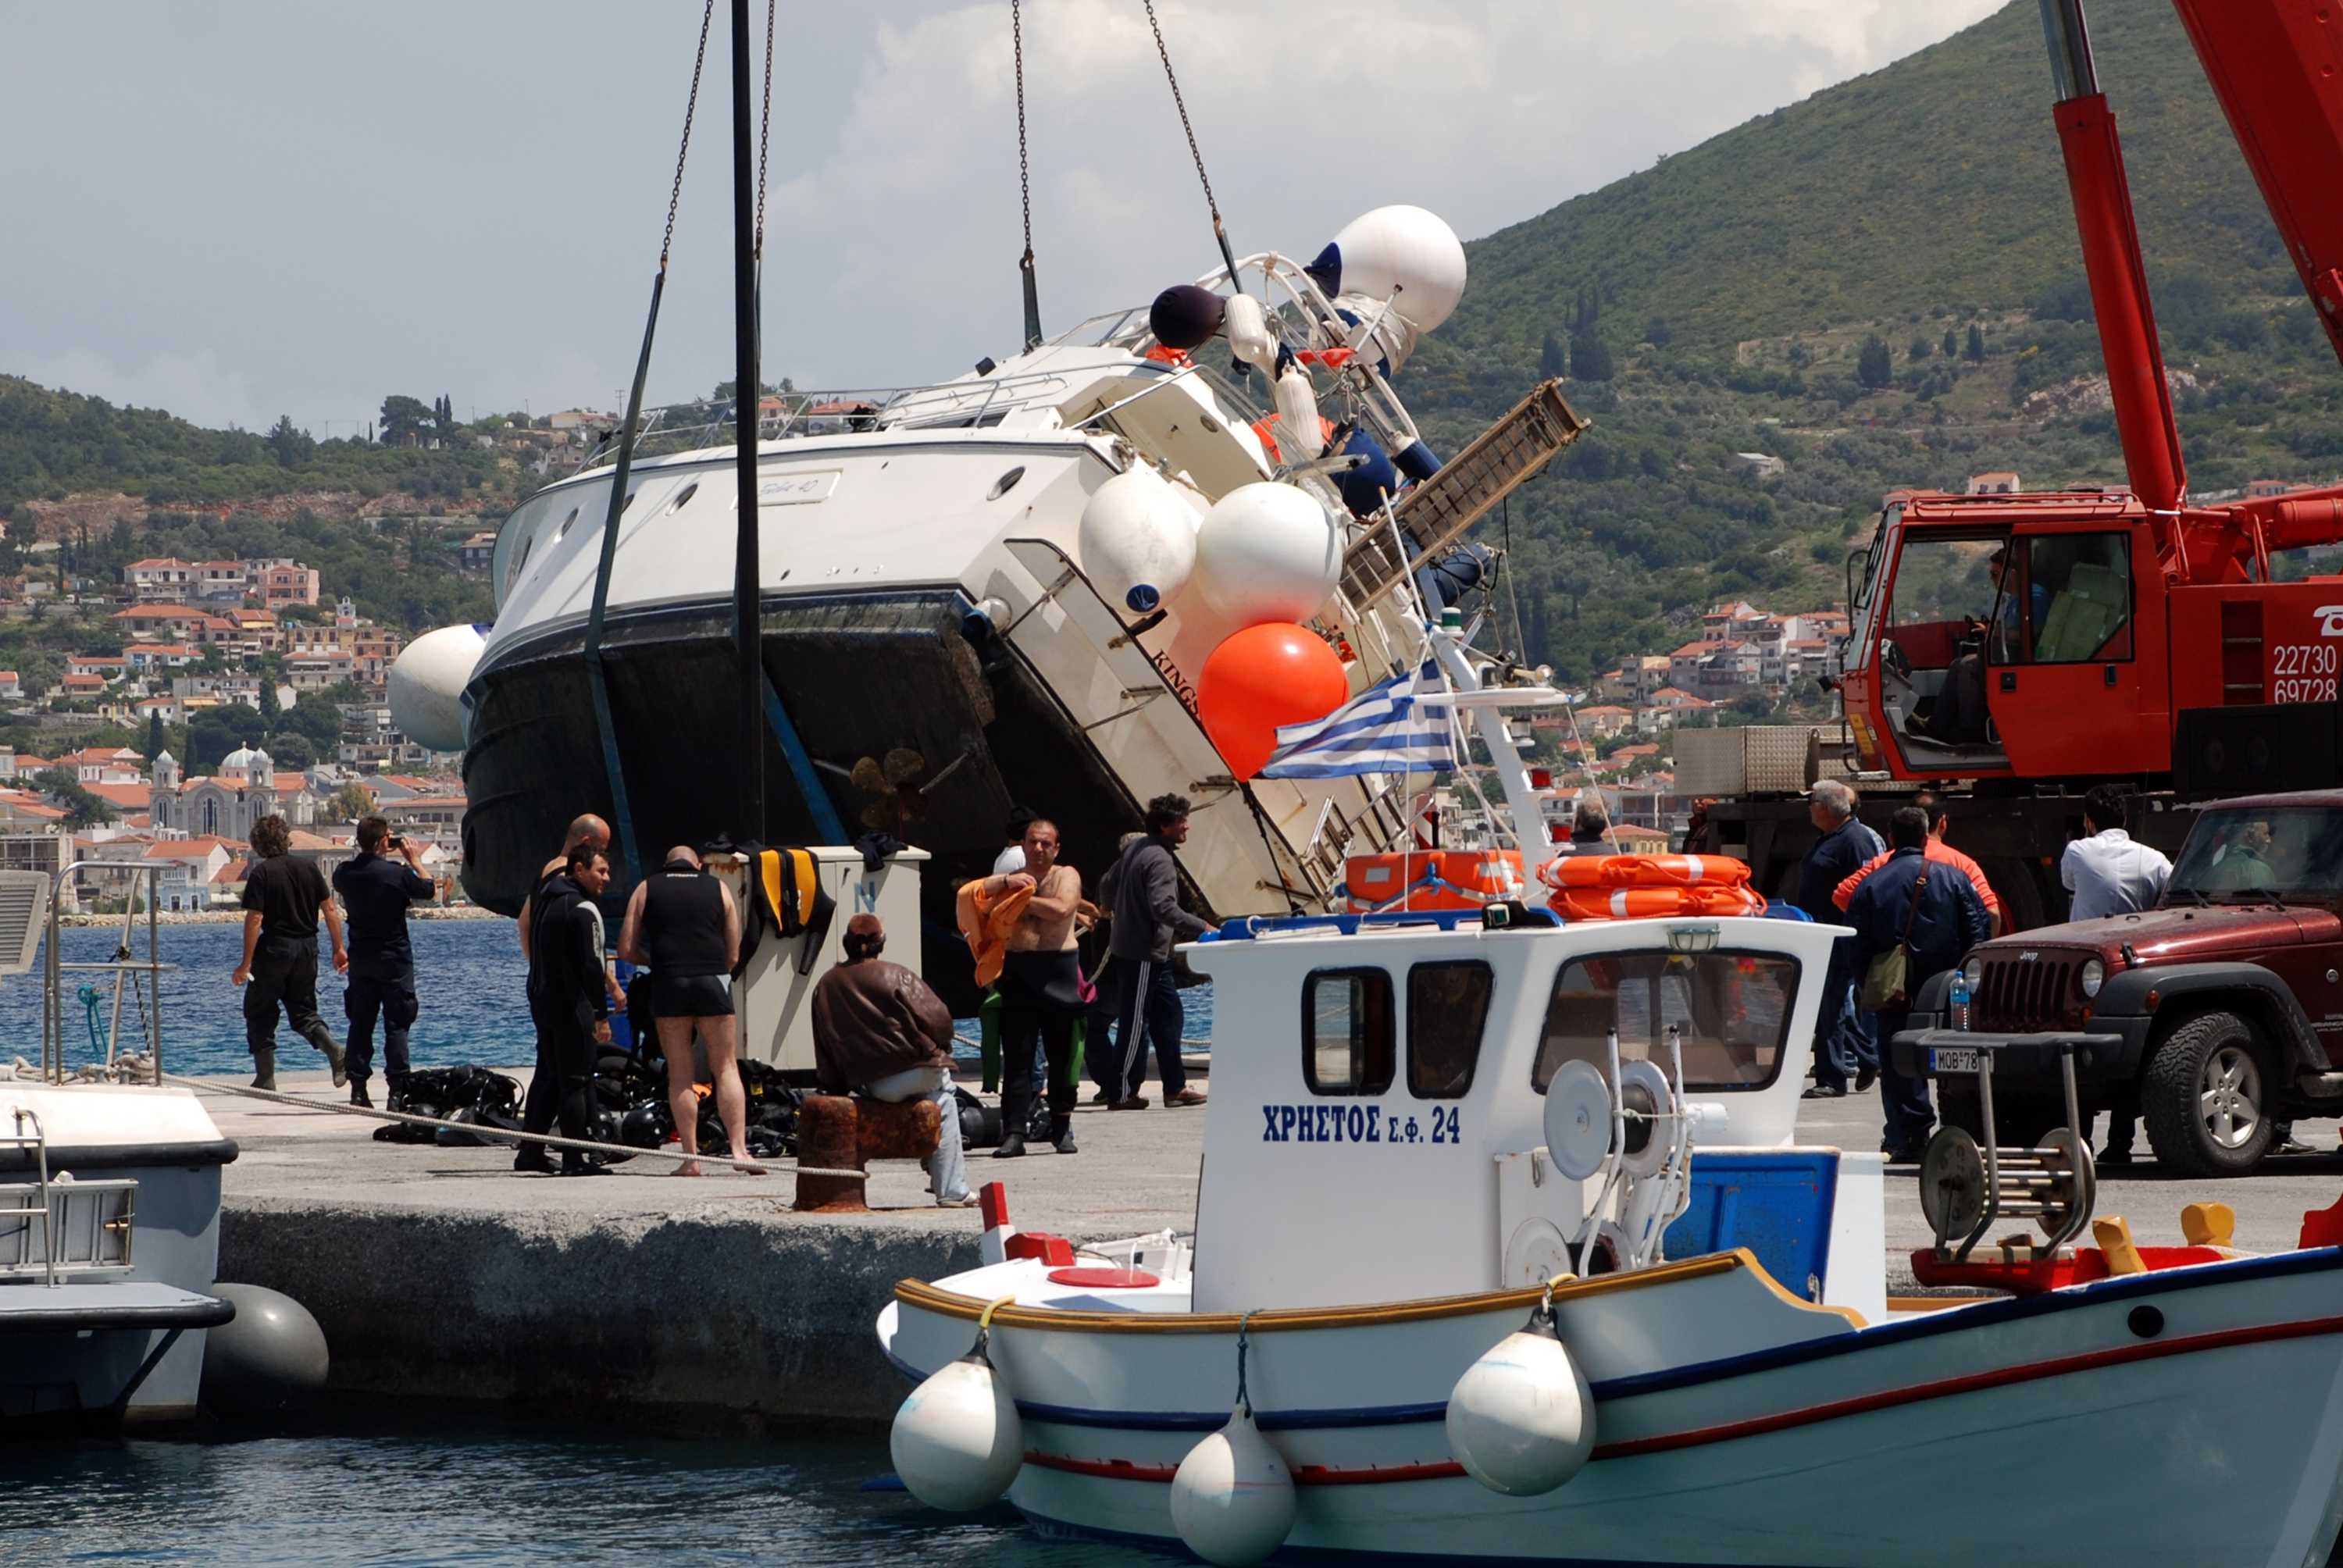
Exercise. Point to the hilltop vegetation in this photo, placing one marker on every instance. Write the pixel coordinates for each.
(1881, 286)
(53, 444)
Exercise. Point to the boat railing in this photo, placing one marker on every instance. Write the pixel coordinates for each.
(31, 1202)
(86, 1227)
(960, 403)
(126, 969)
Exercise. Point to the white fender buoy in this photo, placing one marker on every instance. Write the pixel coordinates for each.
(1266, 552)
(957, 1440)
(1300, 437)
(1232, 1499)
(1521, 1420)
(1249, 335)
(426, 685)
(1137, 540)
(1397, 248)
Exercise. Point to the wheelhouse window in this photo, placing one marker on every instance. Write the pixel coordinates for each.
(1447, 1004)
(1731, 1009)
(1346, 1031)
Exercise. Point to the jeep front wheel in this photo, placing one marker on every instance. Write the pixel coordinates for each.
(2206, 1098)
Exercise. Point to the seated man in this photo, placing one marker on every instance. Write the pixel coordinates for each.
(880, 1031)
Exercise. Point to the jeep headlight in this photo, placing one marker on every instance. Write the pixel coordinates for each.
(2094, 975)
(1973, 972)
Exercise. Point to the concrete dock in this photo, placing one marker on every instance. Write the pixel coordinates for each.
(441, 1277)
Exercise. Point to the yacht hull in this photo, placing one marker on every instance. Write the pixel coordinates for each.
(906, 725)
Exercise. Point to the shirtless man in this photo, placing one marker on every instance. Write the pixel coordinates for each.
(1041, 991)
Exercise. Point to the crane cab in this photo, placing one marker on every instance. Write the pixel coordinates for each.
(1998, 634)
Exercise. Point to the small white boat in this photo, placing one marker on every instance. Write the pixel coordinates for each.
(109, 1240)
(1427, 1128)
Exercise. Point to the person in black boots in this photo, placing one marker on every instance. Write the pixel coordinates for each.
(1040, 992)
(282, 899)
(569, 1000)
(378, 890)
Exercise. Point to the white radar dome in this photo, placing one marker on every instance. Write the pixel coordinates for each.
(426, 685)
(1402, 247)
(1266, 552)
(1137, 540)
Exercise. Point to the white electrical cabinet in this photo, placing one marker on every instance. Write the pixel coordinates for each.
(774, 998)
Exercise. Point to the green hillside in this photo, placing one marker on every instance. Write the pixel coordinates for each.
(1733, 288)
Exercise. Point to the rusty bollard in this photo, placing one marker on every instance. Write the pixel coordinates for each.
(839, 1133)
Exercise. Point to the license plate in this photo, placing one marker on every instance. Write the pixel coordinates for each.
(1956, 1058)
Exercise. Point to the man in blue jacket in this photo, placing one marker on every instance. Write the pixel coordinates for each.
(1845, 1044)
(1934, 914)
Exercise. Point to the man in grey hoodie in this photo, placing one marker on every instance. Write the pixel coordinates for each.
(1141, 889)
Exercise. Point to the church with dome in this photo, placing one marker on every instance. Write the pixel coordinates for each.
(224, 805)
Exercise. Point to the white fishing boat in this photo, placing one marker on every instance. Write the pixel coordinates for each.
(1505, 1252)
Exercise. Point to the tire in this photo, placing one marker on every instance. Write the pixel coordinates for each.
(2208, 1097)
(2019, 1120)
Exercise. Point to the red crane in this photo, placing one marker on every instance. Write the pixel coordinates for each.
(2019, 647)
(2063, 636)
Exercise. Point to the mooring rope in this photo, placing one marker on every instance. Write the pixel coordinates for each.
(484, 1131)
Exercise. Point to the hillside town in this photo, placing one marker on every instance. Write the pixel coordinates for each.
(202, 642)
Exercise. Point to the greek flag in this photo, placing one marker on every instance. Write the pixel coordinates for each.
(1399, 726)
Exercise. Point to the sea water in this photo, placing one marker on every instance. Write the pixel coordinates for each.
(468, 981)
(437, 1490)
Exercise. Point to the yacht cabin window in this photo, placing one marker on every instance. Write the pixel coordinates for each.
(1733, 1009)
(1447, 1003)
(1346, 1031)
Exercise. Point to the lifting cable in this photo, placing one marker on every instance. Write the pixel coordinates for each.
(1024, 181)
(1219, 231)
(605, 725)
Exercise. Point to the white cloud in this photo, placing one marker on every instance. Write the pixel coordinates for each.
(289, 208)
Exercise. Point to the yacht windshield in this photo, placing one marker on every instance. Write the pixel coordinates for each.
(2250, 852)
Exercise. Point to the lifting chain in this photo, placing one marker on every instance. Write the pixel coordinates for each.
(690, 108)
(1024, 181)
(1211, 205)
(764, 131)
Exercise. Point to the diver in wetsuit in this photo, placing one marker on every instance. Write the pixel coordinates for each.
(569, 1000)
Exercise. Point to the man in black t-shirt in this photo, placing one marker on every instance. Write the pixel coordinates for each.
(282, 899)
(378, 889)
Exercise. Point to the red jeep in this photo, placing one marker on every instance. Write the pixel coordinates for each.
(2217, 1013)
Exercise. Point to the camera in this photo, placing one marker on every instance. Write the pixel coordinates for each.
(396, 842)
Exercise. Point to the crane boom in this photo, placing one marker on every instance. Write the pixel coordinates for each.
(2276, 66)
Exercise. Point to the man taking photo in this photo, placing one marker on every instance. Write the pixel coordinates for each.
(378, 889)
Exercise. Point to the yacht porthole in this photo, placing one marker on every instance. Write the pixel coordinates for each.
(688, 491)
(629, 501)
(563, 532)
(1006, 483)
